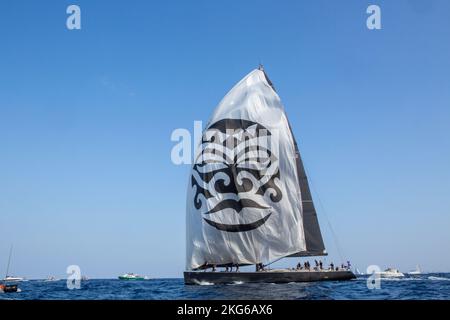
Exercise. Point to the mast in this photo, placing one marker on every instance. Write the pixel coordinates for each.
(9, 262)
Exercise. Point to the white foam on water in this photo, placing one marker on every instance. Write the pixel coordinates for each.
(401, 279)
(204, 283)
(438, 278)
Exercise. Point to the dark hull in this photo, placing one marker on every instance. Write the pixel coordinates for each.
(200, 277)
(9, 288)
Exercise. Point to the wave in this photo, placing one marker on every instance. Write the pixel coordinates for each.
(438, 278)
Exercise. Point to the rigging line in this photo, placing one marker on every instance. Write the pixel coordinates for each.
(333, 233)
(266, 265)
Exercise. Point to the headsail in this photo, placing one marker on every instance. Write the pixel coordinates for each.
(244, 201)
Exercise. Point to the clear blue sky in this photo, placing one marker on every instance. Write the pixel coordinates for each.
(86, 117)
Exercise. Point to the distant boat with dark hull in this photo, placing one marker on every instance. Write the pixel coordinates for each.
(249, 201)
(9, 288)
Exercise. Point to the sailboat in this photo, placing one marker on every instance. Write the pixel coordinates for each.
(7, 288)
(248, 200)
(418, 271)
(358, 273)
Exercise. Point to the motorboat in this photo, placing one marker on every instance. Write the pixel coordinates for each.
(390, 273)
(131, 276)
(13, 279)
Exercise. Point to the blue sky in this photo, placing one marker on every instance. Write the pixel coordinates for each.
(86, 117)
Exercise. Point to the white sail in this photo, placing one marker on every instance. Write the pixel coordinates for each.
(243, 201)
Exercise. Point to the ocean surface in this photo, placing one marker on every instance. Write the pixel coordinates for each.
(425, 286)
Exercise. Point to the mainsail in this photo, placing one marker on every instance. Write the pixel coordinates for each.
(248, 199)
(313, 236)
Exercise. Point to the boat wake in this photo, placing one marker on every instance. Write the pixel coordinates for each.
(415, 278)
(401, 279)
(204, 283)
(235, 283)
(438, 278)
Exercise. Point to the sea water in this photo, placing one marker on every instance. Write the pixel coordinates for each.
(424, 286)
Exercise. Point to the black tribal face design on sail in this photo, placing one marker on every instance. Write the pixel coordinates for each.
(236, 170)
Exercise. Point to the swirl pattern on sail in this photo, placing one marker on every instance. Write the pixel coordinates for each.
(235, 170)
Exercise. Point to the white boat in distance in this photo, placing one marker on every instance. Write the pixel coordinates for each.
(11, 278)
(51, 279)
(416, 272)
(390, 273)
